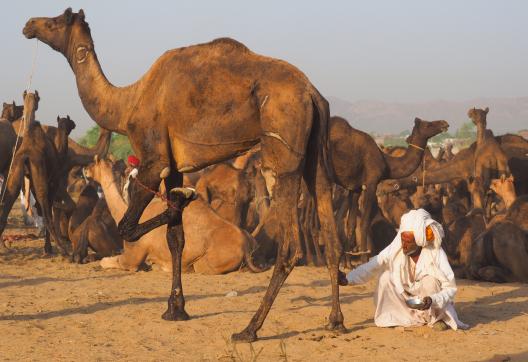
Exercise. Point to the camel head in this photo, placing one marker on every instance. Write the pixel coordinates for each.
(64, 33)
(478, 116)
(423, 130)
(31, 101)
(99, 170)
(503, 186)
(66, 123)
(12, 112)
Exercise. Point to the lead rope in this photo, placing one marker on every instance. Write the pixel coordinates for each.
(22, 127)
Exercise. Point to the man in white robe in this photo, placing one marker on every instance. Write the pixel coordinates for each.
(414, 264)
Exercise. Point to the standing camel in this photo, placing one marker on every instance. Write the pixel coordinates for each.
(39, 157)
(200, 105)
(359, 165)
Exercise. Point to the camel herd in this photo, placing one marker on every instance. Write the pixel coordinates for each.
(239, 151)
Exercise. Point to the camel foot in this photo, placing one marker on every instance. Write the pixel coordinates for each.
(175, 315)
(337, 327)
(244, 336)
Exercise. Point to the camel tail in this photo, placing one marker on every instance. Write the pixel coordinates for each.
(320, 128)
(248, 254)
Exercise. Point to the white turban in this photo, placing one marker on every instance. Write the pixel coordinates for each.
(417, 221)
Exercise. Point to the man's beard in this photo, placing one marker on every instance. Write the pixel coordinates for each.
(412, 252)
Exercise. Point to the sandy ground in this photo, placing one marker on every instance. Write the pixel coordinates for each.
(53, 310)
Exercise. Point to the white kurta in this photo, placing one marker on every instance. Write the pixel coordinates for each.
(433, 277)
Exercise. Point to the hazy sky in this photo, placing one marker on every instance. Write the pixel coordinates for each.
(404, 51)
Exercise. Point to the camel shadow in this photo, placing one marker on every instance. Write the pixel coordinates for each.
(42, 280)
(494, 307)
(326, 301)
(97, 307)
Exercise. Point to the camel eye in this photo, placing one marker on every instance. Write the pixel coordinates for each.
(49, 25)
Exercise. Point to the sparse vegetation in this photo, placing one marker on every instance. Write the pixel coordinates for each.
(119, 146)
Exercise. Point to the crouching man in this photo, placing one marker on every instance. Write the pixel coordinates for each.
(413, 265)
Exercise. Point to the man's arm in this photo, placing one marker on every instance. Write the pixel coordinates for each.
(448, 286)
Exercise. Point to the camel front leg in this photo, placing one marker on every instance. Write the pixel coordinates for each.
(176, 242)
(142, 192)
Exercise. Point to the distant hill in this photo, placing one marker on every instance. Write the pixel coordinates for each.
(506, 114)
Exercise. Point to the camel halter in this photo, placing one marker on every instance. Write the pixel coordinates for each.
(22, 126)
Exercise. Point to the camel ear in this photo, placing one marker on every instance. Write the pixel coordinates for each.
(68, 117)
(58, 118)
(503, 177)
(81, 14)
(510, 178)
(417, 120)
(24, 94)
(37, 95)
(68, 16)
(486, 110)
(14, 105)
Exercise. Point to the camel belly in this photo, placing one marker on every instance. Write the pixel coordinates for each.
(193, 156)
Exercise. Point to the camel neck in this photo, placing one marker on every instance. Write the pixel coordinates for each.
(114, 199)
(405, 165)
(106, 104)
(61, 143)
(481, 133)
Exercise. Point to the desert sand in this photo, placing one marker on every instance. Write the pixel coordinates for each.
(51, 309)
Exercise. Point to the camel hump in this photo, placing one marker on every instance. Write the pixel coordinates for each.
(230, 43)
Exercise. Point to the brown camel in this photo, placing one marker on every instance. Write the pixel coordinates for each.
(490, 160)
(226, 188)
(516, 148)
(484, 159)
(200, 105)
(11, 112)
(500, 253)
(91, 225)
(39, 157)
(77, 155)
(213, 245)
(359, 165)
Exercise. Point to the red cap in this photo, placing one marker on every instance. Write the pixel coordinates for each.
(133, 161)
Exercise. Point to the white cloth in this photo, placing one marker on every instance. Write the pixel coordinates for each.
(132, 174)
(396, 275)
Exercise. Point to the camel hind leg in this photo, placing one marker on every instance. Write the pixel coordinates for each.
(283, 148)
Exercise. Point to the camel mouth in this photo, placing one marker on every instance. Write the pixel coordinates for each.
(29, 31)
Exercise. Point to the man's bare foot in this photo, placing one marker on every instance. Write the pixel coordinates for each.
(440, 326)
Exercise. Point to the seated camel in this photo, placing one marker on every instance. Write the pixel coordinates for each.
(499, 254)
(91, 226)
(212, 246)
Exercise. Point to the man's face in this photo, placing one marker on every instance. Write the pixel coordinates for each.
(409, 246)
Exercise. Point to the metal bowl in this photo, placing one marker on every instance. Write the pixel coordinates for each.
(415, 302)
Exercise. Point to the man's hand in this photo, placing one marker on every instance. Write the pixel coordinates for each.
(427, 301)
(341, 278)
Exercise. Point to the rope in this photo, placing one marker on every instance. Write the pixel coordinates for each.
(22, 127)
(170, 204)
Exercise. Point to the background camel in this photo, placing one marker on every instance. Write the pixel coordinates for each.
(92, 226)
(359, 165)
(39, 157)
(180, 117)
(213, 246)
